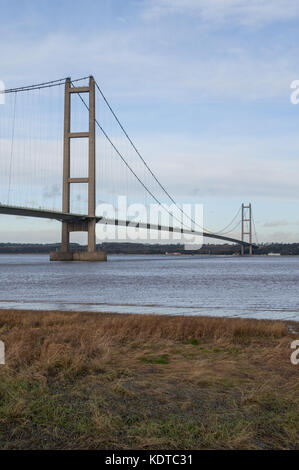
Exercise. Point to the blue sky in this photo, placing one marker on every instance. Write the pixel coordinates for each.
(203, 87)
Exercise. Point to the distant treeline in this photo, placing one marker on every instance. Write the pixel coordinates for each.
(144, 249)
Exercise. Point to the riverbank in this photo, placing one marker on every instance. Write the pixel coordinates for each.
(103, 381)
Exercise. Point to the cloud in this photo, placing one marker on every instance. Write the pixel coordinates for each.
(138, 63)
(224, 167)
(221, 12)
(191, 168)
(276, 223)
(279, 237)
(50, 191)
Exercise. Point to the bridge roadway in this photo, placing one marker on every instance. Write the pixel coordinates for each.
(72, 218)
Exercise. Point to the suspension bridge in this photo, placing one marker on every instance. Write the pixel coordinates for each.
(63, 150)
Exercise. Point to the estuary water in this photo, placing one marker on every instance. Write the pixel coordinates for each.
(257, 287)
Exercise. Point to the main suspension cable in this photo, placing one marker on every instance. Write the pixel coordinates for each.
(223, 231)
(153, 174)
(38, 86)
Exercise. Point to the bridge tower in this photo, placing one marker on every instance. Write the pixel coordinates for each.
(88, 225)
(246, 228)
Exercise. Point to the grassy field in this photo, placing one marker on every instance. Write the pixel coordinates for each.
(87, 381)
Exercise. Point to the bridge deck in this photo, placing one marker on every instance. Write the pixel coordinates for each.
(71, 218)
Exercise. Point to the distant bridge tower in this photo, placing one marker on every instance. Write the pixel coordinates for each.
(89, 225)
(246, 228)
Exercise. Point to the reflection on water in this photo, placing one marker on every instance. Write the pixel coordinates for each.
(257, 287)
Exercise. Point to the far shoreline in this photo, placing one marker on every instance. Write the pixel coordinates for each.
(289, 323)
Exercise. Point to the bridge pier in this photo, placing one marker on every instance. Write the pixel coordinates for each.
(92, 254)
(89, 225)
(78, 256)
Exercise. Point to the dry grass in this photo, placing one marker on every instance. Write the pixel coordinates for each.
(100, 381)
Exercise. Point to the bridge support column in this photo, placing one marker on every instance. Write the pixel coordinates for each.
(91, 236)
(65, 238)
(90, 225)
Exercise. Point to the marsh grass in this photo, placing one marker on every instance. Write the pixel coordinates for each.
(102, 381)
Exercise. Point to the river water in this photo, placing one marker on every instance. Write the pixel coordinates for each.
(257, 287)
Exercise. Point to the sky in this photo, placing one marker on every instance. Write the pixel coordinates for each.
(202, 86)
